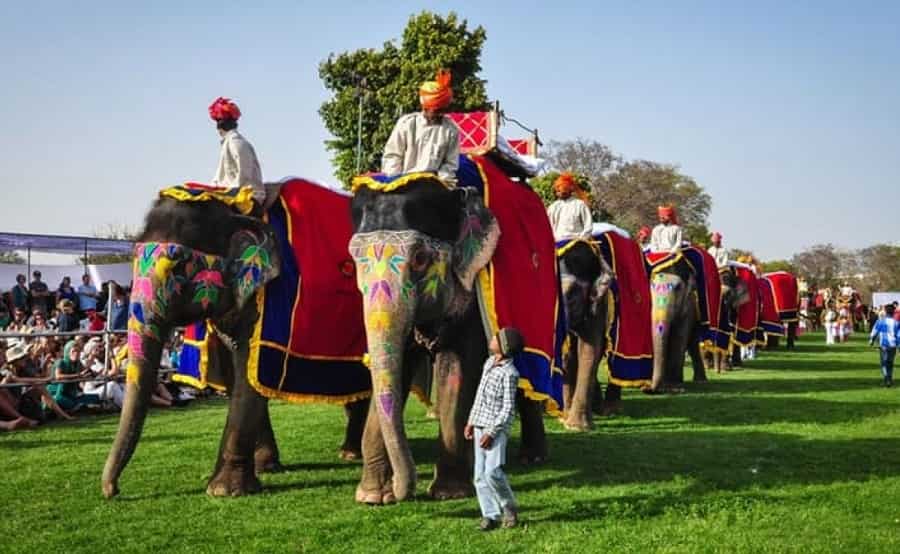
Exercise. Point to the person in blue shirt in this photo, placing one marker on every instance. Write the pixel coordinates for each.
(887, 331)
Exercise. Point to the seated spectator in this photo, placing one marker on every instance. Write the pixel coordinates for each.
(41, 299)
(5, 317)
(12, 419)
(96, 321)
(27, 398)
(66, 373)
(19, 323)
(20, 297)
(38, 321)
(67, 320)
(108, 388)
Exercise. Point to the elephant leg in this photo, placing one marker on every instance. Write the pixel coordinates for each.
(578, 415)
(356, 422)
(235, 470)
(456, 393)
(612, 403)
(266, 458)
(736, 356)
(570, 378)
(697, 361)
(375, 486)
(533, 449)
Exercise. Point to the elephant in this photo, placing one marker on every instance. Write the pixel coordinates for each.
(734, 294)
(196, 261)
(418, 249)
(585, 279)
(675, 326)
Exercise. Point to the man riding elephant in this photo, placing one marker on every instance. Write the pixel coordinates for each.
(238, 164)
(426, 141)
(667, 236)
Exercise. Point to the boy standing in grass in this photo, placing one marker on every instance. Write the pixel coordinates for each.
(489, 424)
(887, 331)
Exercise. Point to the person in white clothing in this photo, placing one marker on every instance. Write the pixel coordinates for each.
(238, 164)
(570, 216)
(830, 318)
(667, 236)
(718, 251)
(425, 141)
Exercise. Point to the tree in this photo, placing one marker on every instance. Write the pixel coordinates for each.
(590, 159)
(820, 264)
(11, 258)
(631, 194)
(880, 267)
(778, 265)
(388, 80)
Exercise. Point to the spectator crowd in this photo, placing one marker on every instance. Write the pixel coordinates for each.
(50, 371)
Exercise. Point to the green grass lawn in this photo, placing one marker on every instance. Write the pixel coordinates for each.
(797, 452)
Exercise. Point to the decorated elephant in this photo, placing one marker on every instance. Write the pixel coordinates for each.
(607, 296)
(428, 263)
(734, 295)
(198, 258)
(585, 279)
(685, 293)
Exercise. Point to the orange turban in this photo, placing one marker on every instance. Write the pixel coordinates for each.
(643, 233)
(566, 183)
(668, 211)
(224, 108)
(437, 94)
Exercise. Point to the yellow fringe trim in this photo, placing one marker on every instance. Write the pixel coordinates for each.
(243, 200)
(398, 183)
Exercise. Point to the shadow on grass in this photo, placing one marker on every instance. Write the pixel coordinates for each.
(708, 463)
(754, 409)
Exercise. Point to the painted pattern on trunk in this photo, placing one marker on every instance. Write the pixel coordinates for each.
(162, 271)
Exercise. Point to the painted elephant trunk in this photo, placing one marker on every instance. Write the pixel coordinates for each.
(141, 381)
(386, 364)
(389, 306)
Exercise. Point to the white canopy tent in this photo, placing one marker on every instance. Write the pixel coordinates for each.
(882, 298)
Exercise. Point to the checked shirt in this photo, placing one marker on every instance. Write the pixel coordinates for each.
(495, 402)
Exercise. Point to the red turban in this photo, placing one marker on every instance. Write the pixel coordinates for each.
(668, 211)
(437, 94)
(643, 233)
(224, 108)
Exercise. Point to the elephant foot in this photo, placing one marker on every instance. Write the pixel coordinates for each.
(374, 497)
(350, 454)
(578, 422)
(233, 481)
(612, 408)
(701, 380)
(266, 461)
(652, 390)
(110, 490)
(450, 489)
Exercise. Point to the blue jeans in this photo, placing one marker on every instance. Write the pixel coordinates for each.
(491, 485)
(887, 363)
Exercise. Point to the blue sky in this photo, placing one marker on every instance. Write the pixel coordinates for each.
(786, 112)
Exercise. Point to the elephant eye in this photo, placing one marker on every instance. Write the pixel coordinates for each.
(420, 260)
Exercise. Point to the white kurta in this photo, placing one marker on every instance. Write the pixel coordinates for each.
(570, 218)
(238, 166)
(720, 254)
(417, 145)
(665, 238)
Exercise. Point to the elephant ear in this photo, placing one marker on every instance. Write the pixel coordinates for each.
(478, 236)
(255, 259)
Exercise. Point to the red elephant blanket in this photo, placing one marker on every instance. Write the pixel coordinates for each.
(787, 295)
(520, 286)
(769, 321)
(748, 312)
(297, 353)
